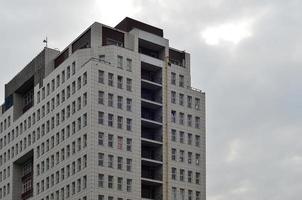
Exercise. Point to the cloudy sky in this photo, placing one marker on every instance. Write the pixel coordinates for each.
(246, 55)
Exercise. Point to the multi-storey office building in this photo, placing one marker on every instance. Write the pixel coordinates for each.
(111, 117)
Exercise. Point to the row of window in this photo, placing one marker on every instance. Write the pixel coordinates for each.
(60, 79)
(119, 123)
(110, 101)
(4, 174)
(183, 138)
(62, 155)
(60, 175)
(5, 124)
(181, 79)
(120, 62)
(65, 113)
(182, 176)
(111, 80)
(66, 192)
(109, 182)
(50, 143)
(102, 138)
(182, 194)
(181, 100)
(5, 190)
(181, 119)
(110, 162)
(102, 197)
(183, 158)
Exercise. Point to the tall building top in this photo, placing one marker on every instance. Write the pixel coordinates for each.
(128, 24)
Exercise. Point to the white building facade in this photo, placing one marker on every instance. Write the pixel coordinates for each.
(111, 117)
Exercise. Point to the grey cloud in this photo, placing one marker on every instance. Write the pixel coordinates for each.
(254, 93)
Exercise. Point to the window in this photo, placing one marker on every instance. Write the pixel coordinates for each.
(120, 163)
(181, 81)
(129, 65)
(197, 178)
(197, 103)
(120, 62)
(120, 143)
(173, 156)
(129, 124)
(197, 157)
(181, 155)
(189, 117)
(173, 135)
(181, 174)
(100, 159)
(197, 122)
(181, 118)
(190, 195)
(173, 116)
(63, 76)
(174, 193)
(190, 176)
(120, 102)
(129, 164)
(173, 78)
(173, 173)
(110, 141)
(181, 99)
(129, 84)
(120, 82)
(85, 78)
(110, 120)
(129, 144)
(173, 97)
(68, 72)
(101, 117)
(110, 100)
(101, 76)
(110, 182)
(197, 194)
(190, 138)
(129, 104)
(181, 136)
(110, 79)
(101, 97)
(197, 140)
(73, 68)
(101, 180)
(189, 157)
(119, 183)
(101, 138)
(189, 102)
(129, 185)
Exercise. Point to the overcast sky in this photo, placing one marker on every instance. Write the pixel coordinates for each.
(245, 54)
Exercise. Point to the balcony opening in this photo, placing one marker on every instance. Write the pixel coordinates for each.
(151, 152)
(151, 49)
(112, 37)
(177, 57)
(23, 98)
(83, 42)
(61, 58)
(152, 95)
(151, 191)
(151, 114)
(152, 172)
(151, 73)
(23, 177)
(154, 133)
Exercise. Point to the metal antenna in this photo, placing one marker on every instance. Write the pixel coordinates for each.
(45, 41)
